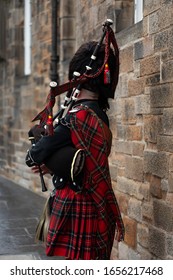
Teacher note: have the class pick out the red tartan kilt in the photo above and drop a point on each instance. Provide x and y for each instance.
(73, 229)
(82, 225)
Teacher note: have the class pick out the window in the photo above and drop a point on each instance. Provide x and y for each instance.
(138, 11)
(127, 13)
(27, 37)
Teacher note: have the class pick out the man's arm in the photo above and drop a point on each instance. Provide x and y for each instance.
(47, 145)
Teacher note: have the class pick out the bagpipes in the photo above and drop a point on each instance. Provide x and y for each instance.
(74, 86)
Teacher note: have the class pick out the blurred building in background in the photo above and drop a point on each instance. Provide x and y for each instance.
(141, 115)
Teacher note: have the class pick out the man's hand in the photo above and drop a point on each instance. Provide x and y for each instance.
(37, 132)
(45, 170)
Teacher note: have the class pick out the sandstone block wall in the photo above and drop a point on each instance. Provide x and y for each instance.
(142, 151)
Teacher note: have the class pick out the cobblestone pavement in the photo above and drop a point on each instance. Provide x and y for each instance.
(20, 210)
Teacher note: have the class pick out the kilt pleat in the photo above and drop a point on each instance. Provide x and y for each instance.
(73, 226)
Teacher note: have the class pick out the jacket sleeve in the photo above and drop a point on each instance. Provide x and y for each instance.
(47, 145)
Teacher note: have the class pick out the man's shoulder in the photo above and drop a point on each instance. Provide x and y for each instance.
(81, 114)
(80, 110)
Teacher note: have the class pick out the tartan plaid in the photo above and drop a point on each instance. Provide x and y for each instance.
(83, 224)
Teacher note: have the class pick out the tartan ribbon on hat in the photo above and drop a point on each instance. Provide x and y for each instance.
(46, 115)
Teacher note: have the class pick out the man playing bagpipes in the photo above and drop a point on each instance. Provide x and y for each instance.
(84, 214)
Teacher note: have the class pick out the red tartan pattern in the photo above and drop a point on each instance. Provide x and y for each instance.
(89, 135)
(83, 224)
(74, 219)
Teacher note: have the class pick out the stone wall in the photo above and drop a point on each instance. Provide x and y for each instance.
(141, 160)
(141, 119)
(23, 96)
(10, 95)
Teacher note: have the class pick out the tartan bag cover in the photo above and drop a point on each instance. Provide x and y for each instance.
(83, 224)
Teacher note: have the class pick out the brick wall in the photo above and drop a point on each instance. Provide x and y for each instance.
(141, 161)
